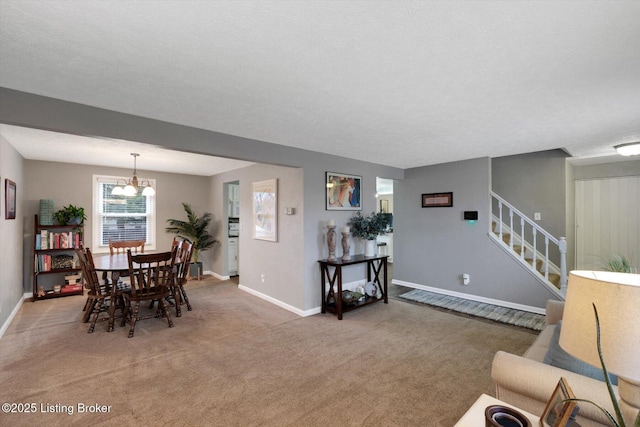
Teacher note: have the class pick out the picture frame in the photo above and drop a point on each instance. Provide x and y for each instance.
(559, 411)
(10, 195)
(265, 210)
(437, 200)
(343, 192)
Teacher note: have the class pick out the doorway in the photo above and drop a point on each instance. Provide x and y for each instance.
(384, 196)
(233, 226)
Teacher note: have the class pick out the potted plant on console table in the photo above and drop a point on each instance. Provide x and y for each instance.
(196, 230)
(369, 228)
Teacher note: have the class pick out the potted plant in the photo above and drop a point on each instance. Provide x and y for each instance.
(369, 228)
(196, 230)
(70, 215)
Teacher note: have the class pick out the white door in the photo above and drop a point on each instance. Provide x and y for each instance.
(607, 221)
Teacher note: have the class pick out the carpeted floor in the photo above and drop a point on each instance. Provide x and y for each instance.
(506, 315)
(236, 360)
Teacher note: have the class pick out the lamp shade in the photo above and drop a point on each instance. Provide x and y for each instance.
(616, 296)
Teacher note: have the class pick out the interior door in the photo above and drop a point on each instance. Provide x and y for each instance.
(607, 221)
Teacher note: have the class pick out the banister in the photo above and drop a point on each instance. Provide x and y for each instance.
(561, 242)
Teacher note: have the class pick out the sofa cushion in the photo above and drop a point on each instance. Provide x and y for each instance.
(540, 346)
(559, 358)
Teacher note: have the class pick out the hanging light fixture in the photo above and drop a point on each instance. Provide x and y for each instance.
(629, 149)
(131, 187)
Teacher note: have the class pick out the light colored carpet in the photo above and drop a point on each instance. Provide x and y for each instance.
(236, 360)
(510, 316)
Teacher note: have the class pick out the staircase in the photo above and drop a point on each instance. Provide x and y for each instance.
(531, 245)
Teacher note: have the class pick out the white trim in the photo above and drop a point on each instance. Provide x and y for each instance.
(501, 303)
(6, 324)
(302, 313)
(216, 275)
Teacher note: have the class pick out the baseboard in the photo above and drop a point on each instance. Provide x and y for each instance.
(15, 310)
(216, 275)
(302, 313)
(477, 298)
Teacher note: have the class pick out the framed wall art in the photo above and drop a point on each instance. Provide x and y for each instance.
(265, 210)
(343, 192)
(9, 199)
(437, 200)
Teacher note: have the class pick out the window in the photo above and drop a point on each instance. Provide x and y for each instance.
(121, 217)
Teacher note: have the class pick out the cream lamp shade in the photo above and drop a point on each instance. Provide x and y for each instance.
(616, 296)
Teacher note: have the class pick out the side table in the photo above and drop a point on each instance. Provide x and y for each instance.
(332, 300)
(475, 415)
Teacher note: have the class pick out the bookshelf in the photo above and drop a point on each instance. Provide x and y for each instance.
(56, 272)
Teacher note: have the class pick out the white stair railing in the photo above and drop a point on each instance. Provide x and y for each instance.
(498, 206)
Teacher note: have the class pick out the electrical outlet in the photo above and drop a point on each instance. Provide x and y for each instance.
(262, 278)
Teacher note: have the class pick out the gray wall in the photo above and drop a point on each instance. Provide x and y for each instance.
(434, 246)
(11, 233)
(280, 262)
(534, 182)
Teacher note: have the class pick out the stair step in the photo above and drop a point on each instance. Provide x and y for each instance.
(539, 263)
(555, 279)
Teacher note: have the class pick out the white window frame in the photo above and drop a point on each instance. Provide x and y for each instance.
(98, 180)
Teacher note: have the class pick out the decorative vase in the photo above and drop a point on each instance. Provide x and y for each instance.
(369, 248)
(331, 242)
(345, 246)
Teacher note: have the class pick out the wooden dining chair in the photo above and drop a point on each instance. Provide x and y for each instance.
(151, 277)
(99, 297)
(121, 246)
(184, 253)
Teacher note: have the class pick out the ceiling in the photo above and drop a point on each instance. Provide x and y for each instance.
(400, 83)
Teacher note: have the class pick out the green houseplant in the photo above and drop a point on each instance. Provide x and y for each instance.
(70, 215)
(368, 228)
(196, 230)
(618, 263)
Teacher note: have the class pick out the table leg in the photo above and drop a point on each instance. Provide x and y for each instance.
(338, 298)
(386, 293)
(324, 287)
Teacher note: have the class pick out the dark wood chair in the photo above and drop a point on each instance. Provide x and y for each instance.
(184, 253)
(100, 298)
(151, 277)
(121, 246)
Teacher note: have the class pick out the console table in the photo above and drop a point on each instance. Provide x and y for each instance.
(331, 272)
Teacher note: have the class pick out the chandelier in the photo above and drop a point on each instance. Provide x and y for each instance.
(130, 187)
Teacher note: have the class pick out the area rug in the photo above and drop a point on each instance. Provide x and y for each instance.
(510, 316)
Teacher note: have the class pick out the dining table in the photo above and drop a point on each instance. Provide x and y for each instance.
(117, 265)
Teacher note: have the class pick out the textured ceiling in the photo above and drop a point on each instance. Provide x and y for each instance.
(401, 83)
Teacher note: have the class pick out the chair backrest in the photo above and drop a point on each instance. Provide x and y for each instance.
(175, 243)
(183, 260)
(89, 272)
(120, 246)
(151, 274)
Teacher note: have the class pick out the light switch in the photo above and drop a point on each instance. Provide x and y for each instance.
(536, 216)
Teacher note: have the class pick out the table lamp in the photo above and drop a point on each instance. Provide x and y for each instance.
(616, 297)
